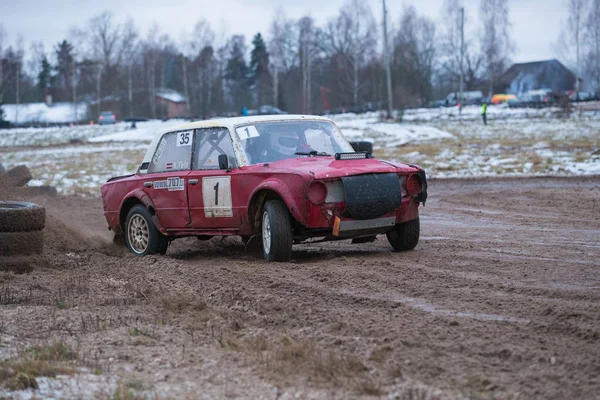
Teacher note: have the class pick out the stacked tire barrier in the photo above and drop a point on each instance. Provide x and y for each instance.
(21, 234)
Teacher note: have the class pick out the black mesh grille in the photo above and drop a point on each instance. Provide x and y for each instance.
(372, 195)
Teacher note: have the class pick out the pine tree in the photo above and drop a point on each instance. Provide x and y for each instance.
(44, 77)
(237, 73)
(64, 70)
(259, 70)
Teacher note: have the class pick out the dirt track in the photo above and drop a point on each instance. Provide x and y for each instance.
(501, 299)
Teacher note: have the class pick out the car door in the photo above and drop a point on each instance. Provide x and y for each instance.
(211, 190)
(166, 179)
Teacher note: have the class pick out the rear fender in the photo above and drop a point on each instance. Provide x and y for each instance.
(144, 199)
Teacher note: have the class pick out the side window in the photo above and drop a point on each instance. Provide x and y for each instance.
(173, 152)
(210, 144)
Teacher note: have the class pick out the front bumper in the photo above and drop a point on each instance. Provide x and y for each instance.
(352, 228)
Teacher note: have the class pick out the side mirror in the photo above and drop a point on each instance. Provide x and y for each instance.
(362, 145)
(223, 161)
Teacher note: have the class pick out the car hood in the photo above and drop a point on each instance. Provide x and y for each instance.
(329, 167)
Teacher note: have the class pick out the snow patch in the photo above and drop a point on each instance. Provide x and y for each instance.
(58, 113)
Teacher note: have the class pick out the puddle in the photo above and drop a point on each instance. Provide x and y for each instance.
(433, 309)
(517, 255)
(424, 306)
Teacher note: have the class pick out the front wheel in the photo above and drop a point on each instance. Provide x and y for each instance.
(141, 236)
(276, 232)
(405, 236)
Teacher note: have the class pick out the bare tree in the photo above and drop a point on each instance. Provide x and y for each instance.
(198, 56)
(129, 47)
(150, 56)
(414, 54)
(593, 34)
(307, 50)
(283, 49)
(577, 9)
(496, 44)
(2, 36)
(19, 67)
(352, 37)
(450, 46)
(571, 40)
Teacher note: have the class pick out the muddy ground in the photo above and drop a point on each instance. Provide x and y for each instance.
(501, 299)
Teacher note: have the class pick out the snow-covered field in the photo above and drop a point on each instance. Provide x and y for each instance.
(93, 133)
(515, 142)
(40, 112)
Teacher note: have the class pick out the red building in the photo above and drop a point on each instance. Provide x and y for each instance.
(171, 104)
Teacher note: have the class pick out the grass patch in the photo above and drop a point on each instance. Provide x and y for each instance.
(21, 372)
(127, 391)
(179, 303)
(54, 352)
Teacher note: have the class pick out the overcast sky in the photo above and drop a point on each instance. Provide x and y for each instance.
(535, 23)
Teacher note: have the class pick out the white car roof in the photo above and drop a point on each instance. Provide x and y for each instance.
(232, 122)
(229, 123)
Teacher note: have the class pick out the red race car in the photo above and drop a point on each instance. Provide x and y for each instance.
(283, 179)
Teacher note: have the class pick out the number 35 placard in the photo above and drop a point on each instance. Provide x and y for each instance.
(184, 138)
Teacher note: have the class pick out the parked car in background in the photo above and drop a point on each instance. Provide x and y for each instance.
(435, 104)
(270, 110)
(537, 99)
(107, 118)
(502, 98)
(468, 98)
(581, 96)
(522, 101)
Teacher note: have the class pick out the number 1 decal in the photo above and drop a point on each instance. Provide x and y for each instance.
(216, 194)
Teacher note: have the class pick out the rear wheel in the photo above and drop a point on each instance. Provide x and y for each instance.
(405, 236)
(276, 229)
(141, 236)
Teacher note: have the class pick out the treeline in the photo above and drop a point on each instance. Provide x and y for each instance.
(295, 64)
(579, 40)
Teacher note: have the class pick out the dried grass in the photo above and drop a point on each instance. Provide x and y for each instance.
(21, 372)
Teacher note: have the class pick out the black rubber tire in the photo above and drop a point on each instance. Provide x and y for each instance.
(157, 242)
(405, 236)
(21, 216)
(281, 232)
(21, 243)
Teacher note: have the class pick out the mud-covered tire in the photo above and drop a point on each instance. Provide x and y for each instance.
(21, 243)
(405, 236)
(157, 243)
(21, 216)
(276, 232)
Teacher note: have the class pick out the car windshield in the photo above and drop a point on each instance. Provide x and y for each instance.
(266, 142)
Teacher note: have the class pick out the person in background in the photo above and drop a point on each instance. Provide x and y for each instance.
(244, 112)
(484, 112)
